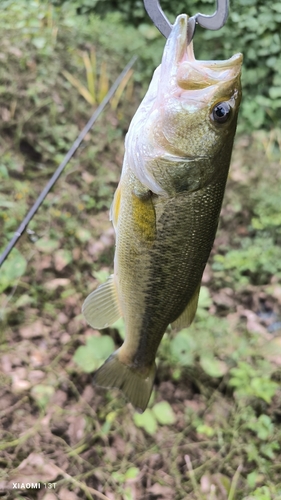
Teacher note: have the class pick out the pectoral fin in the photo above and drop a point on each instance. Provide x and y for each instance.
(186, 318)
(136, 385)
(101, 308)
(115, 207)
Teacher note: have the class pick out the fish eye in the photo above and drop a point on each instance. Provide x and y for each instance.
(221, 112)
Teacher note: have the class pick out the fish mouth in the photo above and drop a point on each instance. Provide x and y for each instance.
(192, 74)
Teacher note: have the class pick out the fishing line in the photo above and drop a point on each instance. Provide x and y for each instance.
(67, 158)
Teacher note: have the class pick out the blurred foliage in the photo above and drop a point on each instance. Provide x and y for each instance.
(253, 28)
(97, 86)
(91, 356)
(256, 257)
(13, 268)
(41, 114)
(255, 261)
(256, 26)
(160, 413)
(229, 365)
(249, 375)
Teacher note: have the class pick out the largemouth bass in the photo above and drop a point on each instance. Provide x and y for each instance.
(166, 208)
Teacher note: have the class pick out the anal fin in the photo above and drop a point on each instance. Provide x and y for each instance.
(187, 316)
(101, 308)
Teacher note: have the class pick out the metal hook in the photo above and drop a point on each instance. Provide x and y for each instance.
(213, 22)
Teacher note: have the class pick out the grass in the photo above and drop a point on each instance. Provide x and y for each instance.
(212, 430)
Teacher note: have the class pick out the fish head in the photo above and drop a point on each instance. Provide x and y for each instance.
(197, 101)
(181, 136)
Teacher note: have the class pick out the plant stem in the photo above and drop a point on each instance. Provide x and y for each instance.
(234, 483)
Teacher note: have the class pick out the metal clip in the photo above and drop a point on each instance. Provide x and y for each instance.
(213, 22)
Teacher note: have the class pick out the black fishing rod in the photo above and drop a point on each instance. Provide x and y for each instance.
(68, 156)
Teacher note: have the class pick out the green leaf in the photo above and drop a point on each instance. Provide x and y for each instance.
(205, 300)
(83, 235)
(62, 258)
(264, 427)
(13, 268)
(205, 429)
(42, 394)
(212, 366)
(91, 356)
(264, 388)
(39, 42)
(274, 92)
(164, 413)
(110, 418)
(84, 358)
(149, 31)
(101, 275)
(118, 477)
(147, 421)
(252, 478)
(102, 347)
(6, 203)
(46, 245)
(128, 495)
(276, 6)
(4, 172)
(262, 493)
(106, 427)
(131, 473)
(268, 449)
(24, 300)
(183, 347)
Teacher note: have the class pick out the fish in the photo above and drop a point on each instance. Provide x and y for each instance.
(166, 208)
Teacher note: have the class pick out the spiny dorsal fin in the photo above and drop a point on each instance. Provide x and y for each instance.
(186, 318)
(101, 308)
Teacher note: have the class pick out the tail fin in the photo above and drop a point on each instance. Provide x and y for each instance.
(135, 386)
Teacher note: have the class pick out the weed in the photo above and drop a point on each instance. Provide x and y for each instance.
(91, 356)
(159, 413)
(211, 430)
(251, 379)
(13, 268)
(97, 81)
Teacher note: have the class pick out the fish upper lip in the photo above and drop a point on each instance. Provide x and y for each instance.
(187, 49)
(183, 56)
(225, 63)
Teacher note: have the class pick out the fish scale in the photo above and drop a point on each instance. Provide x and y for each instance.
(191, 230)
(166, 208)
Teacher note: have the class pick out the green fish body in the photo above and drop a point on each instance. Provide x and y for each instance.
(166, 208)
